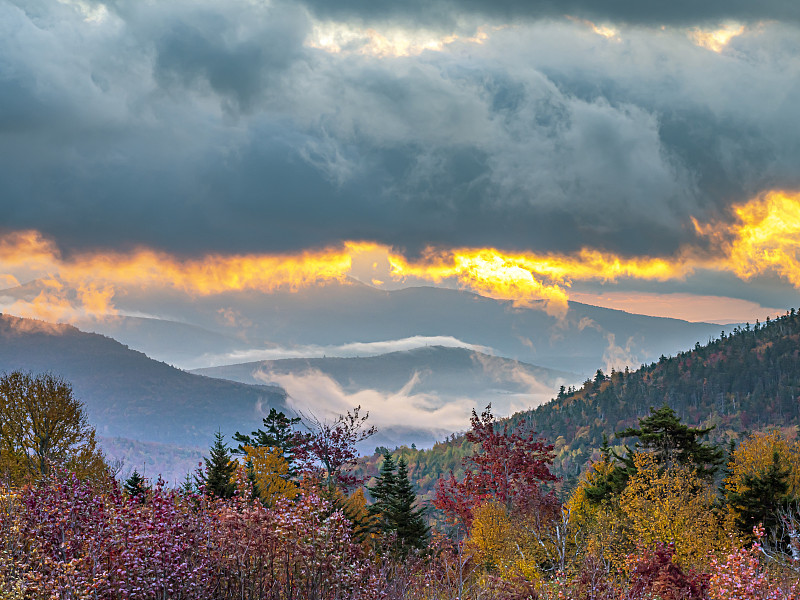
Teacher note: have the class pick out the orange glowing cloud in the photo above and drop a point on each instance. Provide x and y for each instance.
(764, 238)
(767, 237)
(525, 278)
(86, 283)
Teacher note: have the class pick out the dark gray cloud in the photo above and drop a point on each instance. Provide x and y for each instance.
(448, 12)
(212, 126)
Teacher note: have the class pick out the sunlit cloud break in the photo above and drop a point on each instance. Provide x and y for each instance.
(763, 237)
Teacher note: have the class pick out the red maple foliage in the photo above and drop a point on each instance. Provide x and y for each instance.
(655, 574)
(508, 467)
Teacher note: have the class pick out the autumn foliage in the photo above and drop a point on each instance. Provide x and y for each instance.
(508, 468)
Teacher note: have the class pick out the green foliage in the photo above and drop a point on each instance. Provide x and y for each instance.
(669, 441)
(279, 433)
(135, 485)
(219, 470)
(763, 496)
(394, 506)
(745, 381)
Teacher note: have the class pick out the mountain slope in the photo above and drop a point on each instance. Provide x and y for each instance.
(744, 381)
(125, 393)
(747, 380)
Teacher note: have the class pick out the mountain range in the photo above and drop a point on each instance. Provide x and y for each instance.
(354, 319)
(419, 359)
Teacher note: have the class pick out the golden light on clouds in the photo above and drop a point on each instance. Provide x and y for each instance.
(767, 237)
(342, 38)
(86, 283)
(525, 278)
(764, 238)
(716, 39)
(604, 30)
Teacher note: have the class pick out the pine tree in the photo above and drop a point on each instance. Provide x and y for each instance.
(136, 486)
(762, 497)
(412, 532)
(279, 433)
(671, 442)
(663, 434)
(219, 470)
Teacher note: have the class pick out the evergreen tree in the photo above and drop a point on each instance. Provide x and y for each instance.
(219, 471)
(762, 497)
(394, 506)
(412, 532)
(136, 485)
(384, 492)
(279, 433)
(663, 435)
(188, 485)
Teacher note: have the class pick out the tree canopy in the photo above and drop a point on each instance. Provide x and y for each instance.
(42, 425)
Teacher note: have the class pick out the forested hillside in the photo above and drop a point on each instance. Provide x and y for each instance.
(745, 380)
(127, 394)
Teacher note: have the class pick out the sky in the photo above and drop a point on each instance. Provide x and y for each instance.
(636, 155)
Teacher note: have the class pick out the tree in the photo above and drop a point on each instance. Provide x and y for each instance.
(279, 433)
(268, 471)
(384, 492)
(43, 425)
(219, 470)
(412, 532)
(136, 485)
(508, 467)
(673, 505)
(761, 497)
(394, 506)
(669, 441)
(672, 442)
(331, 445)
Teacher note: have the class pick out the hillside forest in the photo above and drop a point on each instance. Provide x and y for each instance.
(679, 480)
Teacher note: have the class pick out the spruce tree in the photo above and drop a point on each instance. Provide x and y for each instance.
(394, 506)
(135, 486)
(762, 497)
(412, 532)
(219, 471)
(384, 492)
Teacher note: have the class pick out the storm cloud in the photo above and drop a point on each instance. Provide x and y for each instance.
(224, 127)
(447, 12)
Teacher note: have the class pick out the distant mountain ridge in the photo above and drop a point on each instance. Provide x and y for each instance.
(125, 393)
(455, 370)
(199, 331)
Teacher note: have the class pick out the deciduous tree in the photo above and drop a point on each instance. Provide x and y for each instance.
(508, 467)
(43, 425)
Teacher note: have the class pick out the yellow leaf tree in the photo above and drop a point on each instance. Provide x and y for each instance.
(43, 425)
(270, 473)
(754, 456)
(673, 505)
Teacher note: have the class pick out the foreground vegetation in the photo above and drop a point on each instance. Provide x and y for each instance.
(289, 513)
